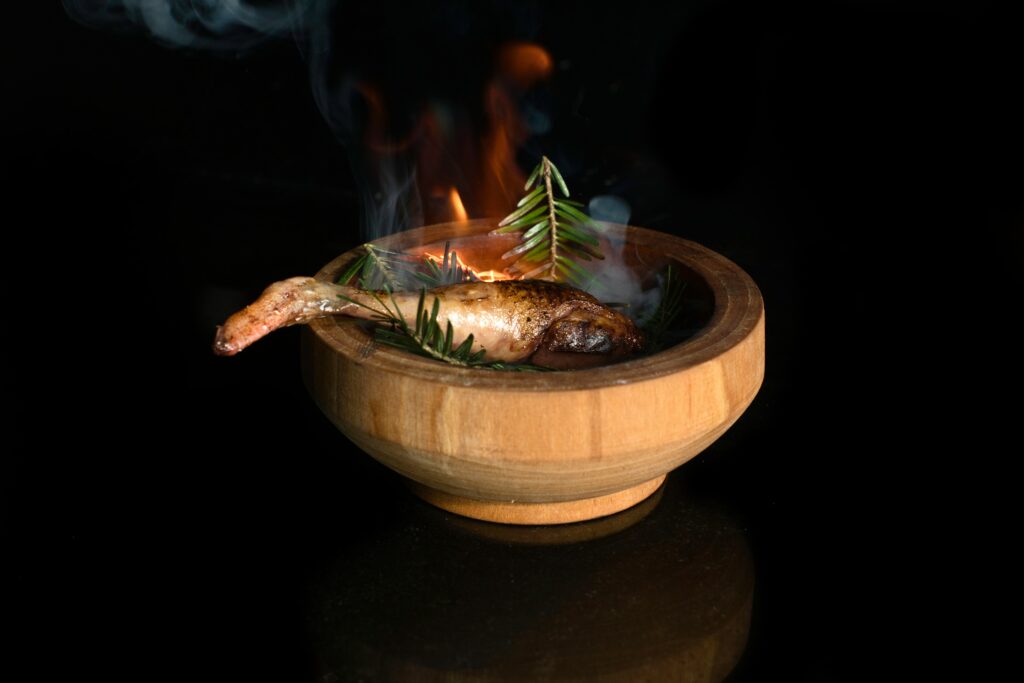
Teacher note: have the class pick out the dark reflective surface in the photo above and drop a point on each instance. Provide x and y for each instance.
(168, 514)
(659, 592)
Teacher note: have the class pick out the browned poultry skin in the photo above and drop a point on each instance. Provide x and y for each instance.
(510, 320)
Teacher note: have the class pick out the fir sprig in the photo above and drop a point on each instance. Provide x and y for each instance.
(425, 337)
(657, 325)
(397, 271)
(555, 232)
(379, 268)
(450, 271)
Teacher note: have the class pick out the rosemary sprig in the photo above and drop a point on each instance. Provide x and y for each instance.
(425, 337)
(664, 316)
(555, 232)
(397, 271)
(379, 268)
(450, 271)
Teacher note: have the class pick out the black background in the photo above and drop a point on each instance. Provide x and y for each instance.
(166, 508)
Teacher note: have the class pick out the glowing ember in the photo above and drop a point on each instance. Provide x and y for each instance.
(458, 210)
(483, 275)
(492, 275)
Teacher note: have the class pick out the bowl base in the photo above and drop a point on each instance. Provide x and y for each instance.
(562, 512)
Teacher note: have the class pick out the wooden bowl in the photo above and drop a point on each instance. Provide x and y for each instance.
(546, 448)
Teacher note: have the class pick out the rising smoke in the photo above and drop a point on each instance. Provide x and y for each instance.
(392, 196)
(391, 201)
(221, 25)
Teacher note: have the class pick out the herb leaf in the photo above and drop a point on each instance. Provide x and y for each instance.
(425, 337)
(550, 247)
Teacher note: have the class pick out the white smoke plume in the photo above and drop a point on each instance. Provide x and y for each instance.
(391, 200)
(223, 25)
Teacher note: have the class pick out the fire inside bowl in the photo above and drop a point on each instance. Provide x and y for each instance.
(556, 447)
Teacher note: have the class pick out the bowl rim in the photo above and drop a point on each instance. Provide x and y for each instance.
(738, 308)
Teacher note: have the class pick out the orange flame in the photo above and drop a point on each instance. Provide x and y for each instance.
(491, 275)
(376, 136)
(458, 210)
(449, 145)
(483, 275)
(524, 63)
(502, 179)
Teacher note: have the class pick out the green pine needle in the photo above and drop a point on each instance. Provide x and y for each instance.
(554, 232)
(426, 337)
(657, 325)
(378, 269)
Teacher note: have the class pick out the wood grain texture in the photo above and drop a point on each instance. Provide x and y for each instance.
(554, 437)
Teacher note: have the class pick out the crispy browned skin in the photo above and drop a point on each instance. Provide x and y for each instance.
(510, 320)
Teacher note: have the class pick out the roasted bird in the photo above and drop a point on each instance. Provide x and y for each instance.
(510, 320)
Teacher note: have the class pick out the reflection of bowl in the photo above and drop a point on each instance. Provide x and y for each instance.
(543, 448)
(430, 598)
